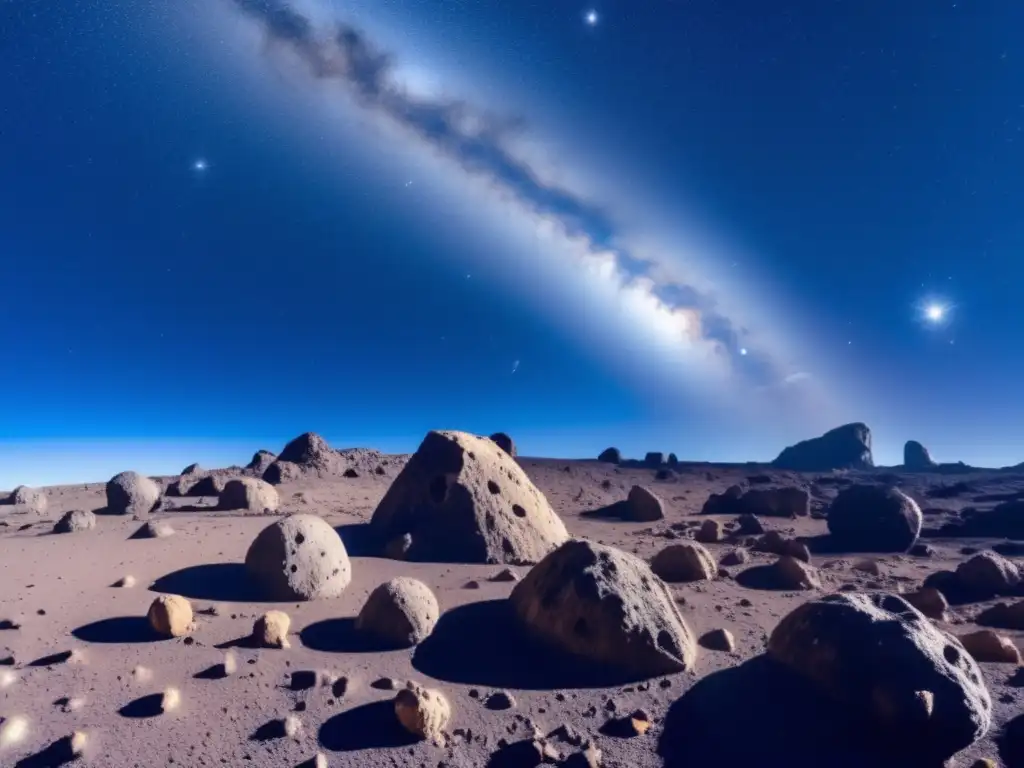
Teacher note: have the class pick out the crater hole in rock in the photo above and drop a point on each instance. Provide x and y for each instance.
(493, 487)
(518, 511)
(299, 538)
(438, 489)
(667, 643)
(294, 568)
(952, 654)
(580, 627)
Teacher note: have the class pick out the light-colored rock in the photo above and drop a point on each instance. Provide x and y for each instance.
(987, 573)
(423, 712)
(292, 726)
(75, 521)
(684, 562)
(643, 505)
(881, 658)
(249, 494)
(401, 612)
(790, 573)
(299, 557)
(463, 499)
(230, 663)
(32, 499)
(170, 700)
(125, 582)
(929, 601)
(13, 731)
(153, 529)
(719, 640)
(130, 493)
(605, 605)
(986, 645)
(171, 616)
(271, 630)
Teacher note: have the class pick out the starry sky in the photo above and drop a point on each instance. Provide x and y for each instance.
(713, 227)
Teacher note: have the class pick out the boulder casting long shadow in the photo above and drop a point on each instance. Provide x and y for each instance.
(484, 643)
(227, 582)
(369, 726)
(120, 629)
(783, 720)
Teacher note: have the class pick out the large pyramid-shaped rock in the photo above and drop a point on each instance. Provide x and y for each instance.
(606, 605)
(845, 447)
(461, 498)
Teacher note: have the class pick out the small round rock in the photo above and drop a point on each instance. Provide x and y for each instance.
(171, 616)
(401, 612)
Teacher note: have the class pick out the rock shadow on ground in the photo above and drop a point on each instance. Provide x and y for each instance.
(224, 582)
(782, 718)
(341, 636)
(617, 511)
(56, 754)
(120, 629)
(359, 540)
(368, 726)
(483, 643)
(144, 707)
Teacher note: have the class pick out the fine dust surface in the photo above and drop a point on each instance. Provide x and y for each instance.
(58, 590)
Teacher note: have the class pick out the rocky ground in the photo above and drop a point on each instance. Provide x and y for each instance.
(78, 655)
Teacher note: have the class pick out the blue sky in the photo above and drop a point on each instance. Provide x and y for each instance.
(706, 228)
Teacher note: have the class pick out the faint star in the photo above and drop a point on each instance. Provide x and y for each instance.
(591, 18)
(743, 350)
(199, 165)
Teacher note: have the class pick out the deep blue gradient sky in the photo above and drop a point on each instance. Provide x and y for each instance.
(392, 221)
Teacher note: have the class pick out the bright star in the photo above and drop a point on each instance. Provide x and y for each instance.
(934, 312)
(591, 18)
(199, 165)
(743, 350)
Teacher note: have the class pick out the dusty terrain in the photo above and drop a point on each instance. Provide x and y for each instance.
(57, 590)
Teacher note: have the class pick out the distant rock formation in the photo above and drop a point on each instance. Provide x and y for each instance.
(916, 456)
(261, 460)
(654, 459)
(610, 455)
(461, 498)
(310, 455)
(32, 499)
(845, 447)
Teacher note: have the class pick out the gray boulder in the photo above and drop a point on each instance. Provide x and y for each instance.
(606, 605)
(874, 518)
(299, 557)
(75, 521)
(130, 493)
(884, 661)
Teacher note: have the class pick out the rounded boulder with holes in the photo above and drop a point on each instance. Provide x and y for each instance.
(400, 613)
(874, 518)
(881, 658)
(606, 605)
(249, 494)
(461, 498)
(130, 493)
(33, 499)
(299, 557)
